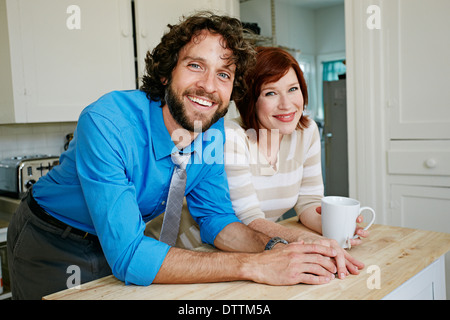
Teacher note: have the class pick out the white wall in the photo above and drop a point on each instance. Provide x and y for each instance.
(257, 11)
(29, 139)
(313, 31)
(330, 30)
(296, 28)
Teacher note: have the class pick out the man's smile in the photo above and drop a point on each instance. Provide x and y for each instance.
(201, 101)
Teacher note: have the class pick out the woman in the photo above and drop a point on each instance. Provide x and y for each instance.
(272, 153)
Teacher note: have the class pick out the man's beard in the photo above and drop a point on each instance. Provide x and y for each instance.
(178, 111)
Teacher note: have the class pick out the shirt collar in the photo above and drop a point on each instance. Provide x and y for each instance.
(196, 148)
(162, 142)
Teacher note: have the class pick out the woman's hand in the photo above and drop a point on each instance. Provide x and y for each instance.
(345, 263)
(360, 232)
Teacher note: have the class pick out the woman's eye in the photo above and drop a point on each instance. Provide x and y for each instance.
(293, 89)
(270, 93)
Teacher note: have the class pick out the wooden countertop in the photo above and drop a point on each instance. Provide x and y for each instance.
(400, 253)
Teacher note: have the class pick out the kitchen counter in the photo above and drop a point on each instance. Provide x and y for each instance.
(400, 263)
(7, 208)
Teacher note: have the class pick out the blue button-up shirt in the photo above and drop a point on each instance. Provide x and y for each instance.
(115, 177)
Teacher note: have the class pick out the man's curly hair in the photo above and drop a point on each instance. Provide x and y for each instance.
(164, 57)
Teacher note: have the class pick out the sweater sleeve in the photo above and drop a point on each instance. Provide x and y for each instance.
(237, 166)
(311, 188)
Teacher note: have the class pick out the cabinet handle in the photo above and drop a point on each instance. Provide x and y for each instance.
(125, 17)
(430, 163)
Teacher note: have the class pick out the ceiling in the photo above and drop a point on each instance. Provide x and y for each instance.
(313, 4)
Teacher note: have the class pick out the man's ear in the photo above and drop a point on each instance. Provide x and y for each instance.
(164, 81)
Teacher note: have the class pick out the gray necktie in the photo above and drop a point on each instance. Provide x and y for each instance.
(171, 223)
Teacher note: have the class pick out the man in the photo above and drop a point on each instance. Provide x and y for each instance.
(89, 213)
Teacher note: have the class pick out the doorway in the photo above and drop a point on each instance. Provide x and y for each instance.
(332, 121)
(334, 138)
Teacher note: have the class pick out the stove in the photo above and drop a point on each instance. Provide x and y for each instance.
(18, 174)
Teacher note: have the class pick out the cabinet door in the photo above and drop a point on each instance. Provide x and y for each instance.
(426, 285)
(152, 18)
(418, 48)
(72, 52)
(420, 207)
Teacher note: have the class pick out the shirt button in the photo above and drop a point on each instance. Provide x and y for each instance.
(163, 203)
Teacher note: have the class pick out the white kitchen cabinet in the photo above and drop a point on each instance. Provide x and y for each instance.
(58, 56)
(418, 68)
(418, 150)
(398, 115)
(152, 18)
(397, 106)
(418, 155)
(420, 158)
(420, 207)
(428, 284)
(416, 205)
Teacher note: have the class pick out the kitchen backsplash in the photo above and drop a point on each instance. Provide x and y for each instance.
(39, 138)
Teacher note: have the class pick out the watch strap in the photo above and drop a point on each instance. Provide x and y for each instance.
(272, 242)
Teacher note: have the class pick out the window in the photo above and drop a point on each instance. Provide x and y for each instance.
(333, 69)
(307, 64)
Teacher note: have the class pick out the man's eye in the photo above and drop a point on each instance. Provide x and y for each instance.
(224, 75)
(194, 65)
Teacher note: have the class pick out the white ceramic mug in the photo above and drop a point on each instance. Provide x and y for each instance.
(339, 218)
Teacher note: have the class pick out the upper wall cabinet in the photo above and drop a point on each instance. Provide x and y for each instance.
(58, 56)
(418, 45)
(152, 18)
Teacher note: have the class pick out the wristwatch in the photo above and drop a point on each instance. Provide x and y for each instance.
(272, 242)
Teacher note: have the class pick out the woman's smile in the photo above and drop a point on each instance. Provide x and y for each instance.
(288, 117)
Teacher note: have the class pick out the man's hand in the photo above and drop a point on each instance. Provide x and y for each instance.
(292, 264)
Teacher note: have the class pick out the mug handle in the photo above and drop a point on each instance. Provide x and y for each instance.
(371, 222)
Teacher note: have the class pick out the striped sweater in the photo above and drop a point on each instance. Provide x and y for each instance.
(259, 190)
